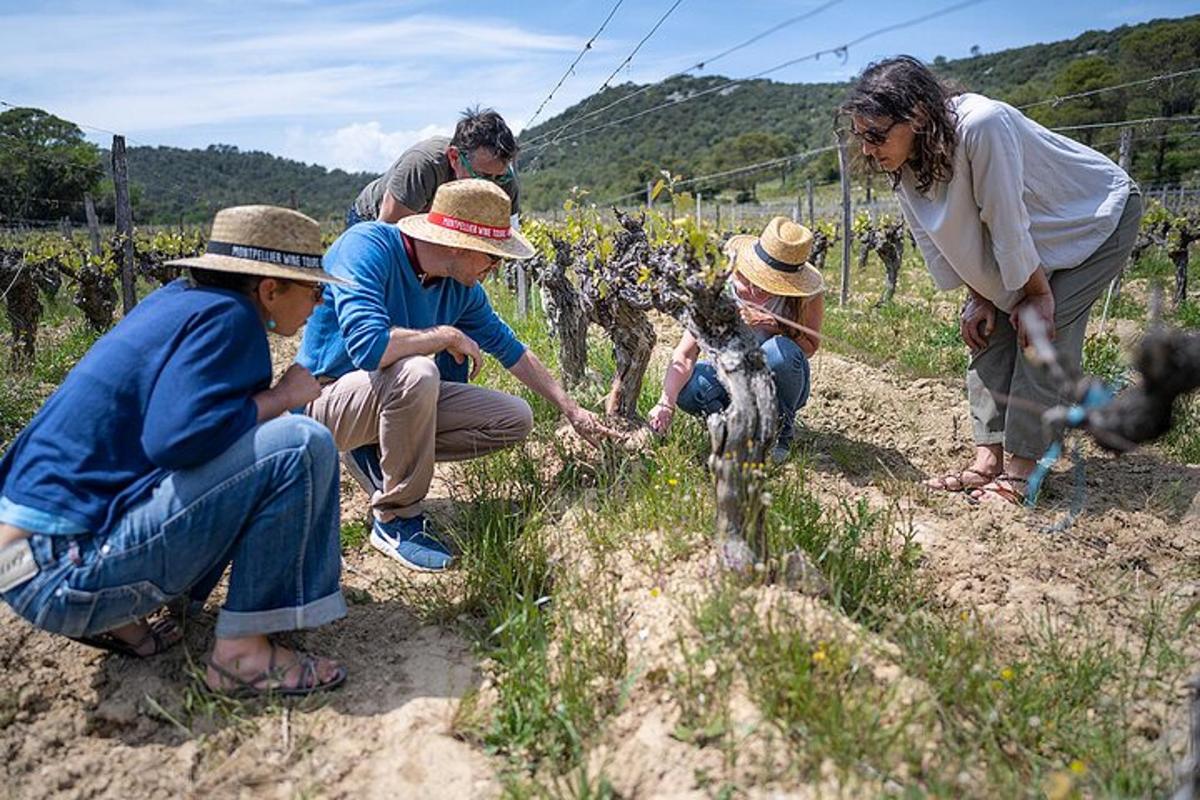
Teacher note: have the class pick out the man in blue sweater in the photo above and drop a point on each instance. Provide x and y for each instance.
(416, 293)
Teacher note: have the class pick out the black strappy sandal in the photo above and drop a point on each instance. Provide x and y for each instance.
(163, 632)
(247, 688)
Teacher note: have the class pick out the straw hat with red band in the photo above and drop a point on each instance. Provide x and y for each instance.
(264, 240)
(777, 261)
(473, 214)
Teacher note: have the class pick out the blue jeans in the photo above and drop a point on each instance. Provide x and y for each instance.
(704, 393)
(268, 505)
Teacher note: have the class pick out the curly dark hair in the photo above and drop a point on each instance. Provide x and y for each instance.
(900, 89)
(483, 127)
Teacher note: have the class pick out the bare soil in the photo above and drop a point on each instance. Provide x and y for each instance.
(78, 723)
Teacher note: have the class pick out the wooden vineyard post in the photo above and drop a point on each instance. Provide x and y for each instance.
(124, 214)
(1124, 161)
(522, 291)
(717, 226)
(868, 190)
(699, 211)
(649, 194)
(811, 216)
(93, 224)
(796, 210)
(847, 225)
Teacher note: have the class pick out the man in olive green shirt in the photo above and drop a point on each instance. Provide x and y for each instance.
(482, 147)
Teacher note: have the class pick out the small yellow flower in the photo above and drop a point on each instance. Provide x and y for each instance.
(964, 616)
(1006, 674)
(655, 591)
(1078, 767)
(671, 481)
(818, 656)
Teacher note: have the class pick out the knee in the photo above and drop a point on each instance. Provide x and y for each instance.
(519, 419)
(526, 420)
(298, 432)
(782, 352)
(413, 379)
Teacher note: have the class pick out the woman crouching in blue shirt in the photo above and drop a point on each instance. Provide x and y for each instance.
(167, 455)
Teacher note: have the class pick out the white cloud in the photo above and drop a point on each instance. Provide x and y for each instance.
(150, 70)
(358, 147)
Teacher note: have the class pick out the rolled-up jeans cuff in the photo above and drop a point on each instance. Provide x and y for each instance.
(235, 624)
(989, 437)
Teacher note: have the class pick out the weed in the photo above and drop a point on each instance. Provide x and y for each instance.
(1105, 358)
(1182, 442)
(354, 535)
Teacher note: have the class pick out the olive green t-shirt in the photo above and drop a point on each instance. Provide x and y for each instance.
(414, 178)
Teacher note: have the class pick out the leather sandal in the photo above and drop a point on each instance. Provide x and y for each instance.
(980, 480)
(163, 632)
(273, 676)
(1011, 491)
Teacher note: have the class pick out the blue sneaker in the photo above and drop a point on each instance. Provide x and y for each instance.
(410, 542)
(363, 465)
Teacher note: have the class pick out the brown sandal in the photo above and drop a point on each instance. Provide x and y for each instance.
(1008, 493)
(982, 479)
(163, 632)
(273, 676)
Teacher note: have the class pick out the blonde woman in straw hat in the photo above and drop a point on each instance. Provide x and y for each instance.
(417, 294)
(774, 285)
(167, 455)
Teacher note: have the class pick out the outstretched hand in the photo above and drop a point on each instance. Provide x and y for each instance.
(759, 320)
(590, 428)
(660, 418)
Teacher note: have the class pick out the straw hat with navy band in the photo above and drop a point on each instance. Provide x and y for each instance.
(473, 214)
(268, 241)
(777, 261)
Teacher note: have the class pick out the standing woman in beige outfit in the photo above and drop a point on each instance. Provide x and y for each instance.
(1028, 220)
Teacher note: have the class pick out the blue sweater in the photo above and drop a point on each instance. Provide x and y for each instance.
(352, 332)
(170, 387)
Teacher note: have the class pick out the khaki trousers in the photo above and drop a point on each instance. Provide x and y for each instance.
(417, 419)
(999, 371)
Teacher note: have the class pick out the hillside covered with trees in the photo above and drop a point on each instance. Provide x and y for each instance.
(712, 124)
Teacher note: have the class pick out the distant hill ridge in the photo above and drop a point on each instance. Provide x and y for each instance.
(750, 122)
(689, 138)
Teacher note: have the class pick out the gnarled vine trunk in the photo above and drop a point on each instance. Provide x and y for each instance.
(740, 436)
(889, 246)
(564, 309)
(617, 299)
(1169, 363)
(96, 296)
(23, 306)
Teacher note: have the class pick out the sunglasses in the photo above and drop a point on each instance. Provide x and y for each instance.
(874, 136)
(317, 290)
(502, 179)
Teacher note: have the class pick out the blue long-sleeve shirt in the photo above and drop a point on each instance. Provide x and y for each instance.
(352, 331)
(170, 387)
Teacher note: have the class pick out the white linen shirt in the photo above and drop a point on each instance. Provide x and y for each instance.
(1021, 196)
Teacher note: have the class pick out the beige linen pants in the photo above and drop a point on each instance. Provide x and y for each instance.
(417, 419)
(999, 371)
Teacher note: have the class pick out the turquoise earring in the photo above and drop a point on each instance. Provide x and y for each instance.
(270, 324)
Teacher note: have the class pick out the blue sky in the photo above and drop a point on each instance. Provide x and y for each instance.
(351, 84)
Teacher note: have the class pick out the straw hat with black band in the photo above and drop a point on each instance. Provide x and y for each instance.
(473, 214)
(268, 241)
(777, 261)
